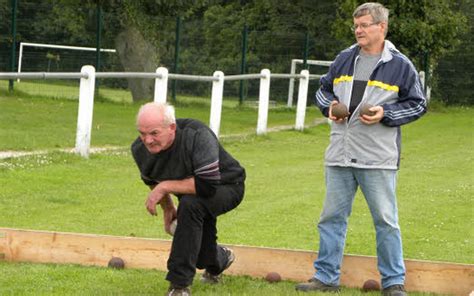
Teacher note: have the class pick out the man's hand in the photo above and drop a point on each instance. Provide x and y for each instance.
(162, 191)
(334, 118)
(374, 118)
(154, 198)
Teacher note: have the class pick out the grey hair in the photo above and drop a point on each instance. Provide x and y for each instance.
(378, 12)
(159, 108)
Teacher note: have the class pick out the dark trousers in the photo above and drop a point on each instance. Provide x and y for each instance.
(195, 239)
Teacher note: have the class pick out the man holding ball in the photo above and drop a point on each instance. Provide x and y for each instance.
(364, 149)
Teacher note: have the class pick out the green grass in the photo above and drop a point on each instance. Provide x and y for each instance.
(66, 89)
(285, 190)
(30, 123)
(51, 279)
(284, 196)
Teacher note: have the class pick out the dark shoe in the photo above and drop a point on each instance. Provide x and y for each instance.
(395, 290)
(178, 291)
(208, 278)
(316, 285)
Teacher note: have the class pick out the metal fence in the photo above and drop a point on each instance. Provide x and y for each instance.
(182, 46)
(179, 44)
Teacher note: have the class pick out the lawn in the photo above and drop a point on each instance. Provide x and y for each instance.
(51, 279)
(62, 192)
(30, 123)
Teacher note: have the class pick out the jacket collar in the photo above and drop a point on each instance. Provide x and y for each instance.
(387, 52)
(388, 49)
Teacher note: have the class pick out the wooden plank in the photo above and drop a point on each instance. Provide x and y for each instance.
(85, 249)
(89, 249)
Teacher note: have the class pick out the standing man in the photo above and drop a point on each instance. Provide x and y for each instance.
(183, 157)
(365, 150)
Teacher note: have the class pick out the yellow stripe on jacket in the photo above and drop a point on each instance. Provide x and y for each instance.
(382, 85)
(343, 78)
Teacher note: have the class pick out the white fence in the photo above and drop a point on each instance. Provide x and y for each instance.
(291, 86)
(88, 75)
(55, 46)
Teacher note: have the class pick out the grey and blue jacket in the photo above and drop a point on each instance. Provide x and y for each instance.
(395, 85)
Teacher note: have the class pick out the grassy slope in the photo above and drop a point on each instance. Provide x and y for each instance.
(284, 196)
(32, 124)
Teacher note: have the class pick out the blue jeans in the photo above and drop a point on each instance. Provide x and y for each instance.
(378, 187)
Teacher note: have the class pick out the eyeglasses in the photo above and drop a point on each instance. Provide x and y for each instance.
(363, 26)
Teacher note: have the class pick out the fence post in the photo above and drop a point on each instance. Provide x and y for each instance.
(216, 102)
(291, 85)
(243, 65)
(98, 38)
(13, 48)
(263, 98)
(422, 78)
(306, 49)
(302, 98)
(161, 85)
(176, 57)
(86, 106)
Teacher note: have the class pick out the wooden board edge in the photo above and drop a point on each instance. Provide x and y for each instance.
(19, 245)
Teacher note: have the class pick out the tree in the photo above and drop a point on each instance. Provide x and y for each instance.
(455, 71)
(276, 34)
(138, 29)
(135, 19)
(416, 27)
(143, 32)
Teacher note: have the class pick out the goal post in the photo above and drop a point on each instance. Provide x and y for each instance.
(56, 46)
(294, 62)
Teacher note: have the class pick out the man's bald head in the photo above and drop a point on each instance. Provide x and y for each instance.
(157, 110)
(157, 126)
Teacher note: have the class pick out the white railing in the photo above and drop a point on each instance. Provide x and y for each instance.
(88, 75)
(56, 46)
(291, 85)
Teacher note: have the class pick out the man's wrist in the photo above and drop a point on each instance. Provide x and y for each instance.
(167, 202)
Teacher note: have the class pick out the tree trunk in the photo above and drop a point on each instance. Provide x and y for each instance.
(137, 55)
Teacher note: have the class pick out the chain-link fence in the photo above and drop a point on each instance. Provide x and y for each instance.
(189, 45)
(182, 45)
(454, 76)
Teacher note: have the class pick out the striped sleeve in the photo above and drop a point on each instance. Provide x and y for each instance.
(411, 104)
(206, 162)
(325, 94)
(209, 171)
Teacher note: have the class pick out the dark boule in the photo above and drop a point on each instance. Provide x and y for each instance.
(364, 110)
(116, 262)
(371, 285)
(273, 277)
(340, 111)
